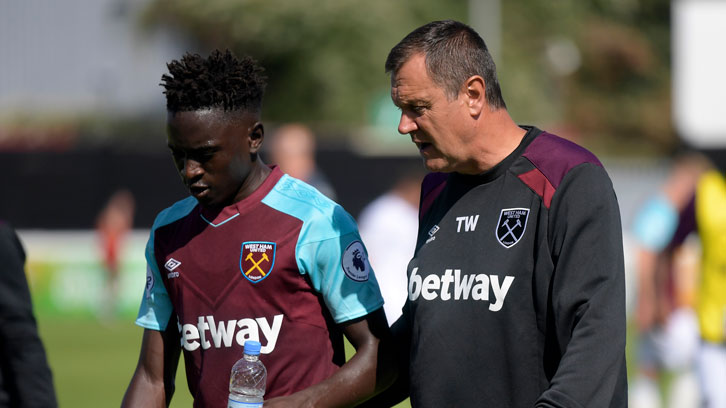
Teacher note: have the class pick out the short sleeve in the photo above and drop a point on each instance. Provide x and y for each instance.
(329, 250)
(655, 223)
(339, 269)
(156, 307)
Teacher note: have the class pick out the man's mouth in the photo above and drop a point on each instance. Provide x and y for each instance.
(422, 146)
(198, 191)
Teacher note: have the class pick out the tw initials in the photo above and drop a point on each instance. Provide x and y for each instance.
(469, 223)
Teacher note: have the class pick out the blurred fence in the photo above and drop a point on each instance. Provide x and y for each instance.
(48, 190)
(54, 199)
(67, 277)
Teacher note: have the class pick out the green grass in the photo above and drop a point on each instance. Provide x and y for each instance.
(92, 363)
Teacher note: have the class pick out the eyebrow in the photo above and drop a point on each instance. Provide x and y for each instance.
(416, 102)
(196, 150)
(403, 99)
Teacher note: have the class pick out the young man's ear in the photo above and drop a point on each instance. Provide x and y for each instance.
(255, 137)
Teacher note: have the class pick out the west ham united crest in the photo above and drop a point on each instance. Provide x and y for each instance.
(257, 260)
(511, 225)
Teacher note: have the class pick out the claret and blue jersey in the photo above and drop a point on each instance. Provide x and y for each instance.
(283, 266)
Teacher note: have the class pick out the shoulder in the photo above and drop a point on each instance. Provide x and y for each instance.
(175, 212)
(655, 222)
(304, 202)
(711, 180)
(709, 196)
(553, 158)
(656, 210)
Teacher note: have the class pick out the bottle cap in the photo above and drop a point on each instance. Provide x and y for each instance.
(252, 347)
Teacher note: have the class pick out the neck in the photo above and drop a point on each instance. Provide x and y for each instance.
(258, 174)
(497, 137)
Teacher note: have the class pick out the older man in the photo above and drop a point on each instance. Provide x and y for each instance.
(516, 288)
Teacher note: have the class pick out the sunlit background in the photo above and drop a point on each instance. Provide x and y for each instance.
(82, 116)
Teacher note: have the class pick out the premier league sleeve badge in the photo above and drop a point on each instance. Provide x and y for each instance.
(355, 262)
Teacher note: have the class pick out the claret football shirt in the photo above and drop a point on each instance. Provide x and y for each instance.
(283, 266)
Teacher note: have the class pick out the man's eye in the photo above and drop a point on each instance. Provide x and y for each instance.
(202, 157)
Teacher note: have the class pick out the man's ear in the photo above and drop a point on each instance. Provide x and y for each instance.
(474, 91)
(255, 137)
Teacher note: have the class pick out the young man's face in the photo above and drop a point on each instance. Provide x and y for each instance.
(211, 150)
(436, 124)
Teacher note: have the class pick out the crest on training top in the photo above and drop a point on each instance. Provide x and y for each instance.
(511, 226)
(257, 260)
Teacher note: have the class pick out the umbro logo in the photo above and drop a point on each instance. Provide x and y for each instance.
(171, 264)
(432, 231)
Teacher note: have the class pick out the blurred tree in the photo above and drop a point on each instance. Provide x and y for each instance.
(324, 58)
(597, 70)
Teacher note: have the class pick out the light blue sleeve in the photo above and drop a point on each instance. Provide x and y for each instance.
(329, 250)
(156, 307)
(655, 223)
(339, 269)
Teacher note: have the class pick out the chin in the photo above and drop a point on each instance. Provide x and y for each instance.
(205, 201)
(437, 166)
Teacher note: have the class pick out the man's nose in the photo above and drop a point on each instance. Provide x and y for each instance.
(406, 125)
(191, 169)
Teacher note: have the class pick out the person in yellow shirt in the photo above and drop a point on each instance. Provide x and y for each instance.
(705, 215)
(664, 317)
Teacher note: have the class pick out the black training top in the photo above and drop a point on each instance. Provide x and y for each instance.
(25, 378)
(516, 291)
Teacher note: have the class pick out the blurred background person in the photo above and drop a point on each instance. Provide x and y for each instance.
(666, 290)
(112, 226)
(293, 150)
(707, 217)
(25, 378)
(388, 226)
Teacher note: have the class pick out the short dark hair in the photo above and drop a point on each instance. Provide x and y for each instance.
(454, 52)
(218, 81)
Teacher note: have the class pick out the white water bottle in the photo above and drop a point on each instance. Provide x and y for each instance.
(248, 379)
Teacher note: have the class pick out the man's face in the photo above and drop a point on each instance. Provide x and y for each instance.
(211, 151)
(437, 125)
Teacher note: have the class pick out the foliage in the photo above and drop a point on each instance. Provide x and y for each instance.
(597, 70)
(324, 58)
(618, 98)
